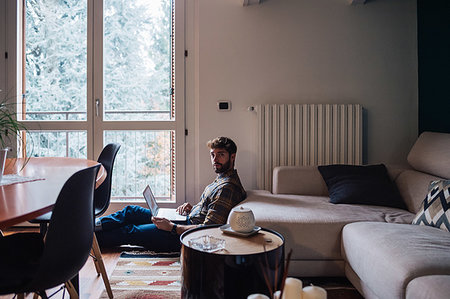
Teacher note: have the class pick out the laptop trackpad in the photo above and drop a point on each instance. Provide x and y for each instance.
(170, 214)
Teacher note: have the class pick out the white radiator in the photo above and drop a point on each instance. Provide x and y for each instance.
(307, 134)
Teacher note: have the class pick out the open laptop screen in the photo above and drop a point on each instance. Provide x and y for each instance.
(150, 199)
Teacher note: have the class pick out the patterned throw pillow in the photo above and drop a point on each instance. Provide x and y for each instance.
(435, 209)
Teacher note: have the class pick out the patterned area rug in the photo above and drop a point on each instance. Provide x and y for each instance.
(146, 276)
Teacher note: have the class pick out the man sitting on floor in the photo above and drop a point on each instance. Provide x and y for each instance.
(135, 225)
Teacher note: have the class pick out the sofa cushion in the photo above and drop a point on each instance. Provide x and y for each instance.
(301, 180)
(413, 187)
(431, 154)
(387, 256)
(367, 185)
(435, 210)
(311, 225)
(429, 287)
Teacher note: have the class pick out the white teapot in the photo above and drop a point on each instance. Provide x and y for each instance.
(242, 220)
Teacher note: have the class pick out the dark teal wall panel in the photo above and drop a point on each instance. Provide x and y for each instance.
(433, 33)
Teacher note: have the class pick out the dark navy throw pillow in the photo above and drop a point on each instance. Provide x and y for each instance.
(366, 185)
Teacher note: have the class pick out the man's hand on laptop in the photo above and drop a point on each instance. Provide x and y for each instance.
(184, 209)
(166, 224)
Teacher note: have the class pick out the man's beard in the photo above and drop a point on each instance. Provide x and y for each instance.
(223, 167)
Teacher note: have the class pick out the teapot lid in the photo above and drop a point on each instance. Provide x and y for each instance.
(241, 209)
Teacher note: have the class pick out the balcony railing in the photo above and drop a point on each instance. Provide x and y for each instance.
(66, 114)
(135, 165)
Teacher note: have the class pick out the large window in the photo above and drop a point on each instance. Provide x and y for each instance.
(96, 72)
(55, 60)
(137, 60)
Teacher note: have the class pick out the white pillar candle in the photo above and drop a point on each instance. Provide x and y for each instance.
(313, 292)
(257, 296)
(292, 288)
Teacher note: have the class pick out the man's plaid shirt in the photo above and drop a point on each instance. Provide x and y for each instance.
(218, 199)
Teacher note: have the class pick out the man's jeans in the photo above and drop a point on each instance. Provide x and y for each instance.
(133, 226)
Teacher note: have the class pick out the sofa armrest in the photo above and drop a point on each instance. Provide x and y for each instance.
(302, 180)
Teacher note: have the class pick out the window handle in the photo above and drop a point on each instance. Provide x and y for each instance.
(97, 106)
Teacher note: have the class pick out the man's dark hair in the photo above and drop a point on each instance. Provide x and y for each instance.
(223, 142)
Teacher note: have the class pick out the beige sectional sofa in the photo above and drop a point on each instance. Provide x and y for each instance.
(376, 248)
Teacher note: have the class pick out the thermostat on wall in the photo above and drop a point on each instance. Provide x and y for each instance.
(224, 105)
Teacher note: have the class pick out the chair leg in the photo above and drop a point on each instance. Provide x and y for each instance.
(20, 296)
(41, 294)
(99, 265)
(71, 289)
(43, 228)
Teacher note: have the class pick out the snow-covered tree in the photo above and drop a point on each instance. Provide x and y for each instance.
(136, 76)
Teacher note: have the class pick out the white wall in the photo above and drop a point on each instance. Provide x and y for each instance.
(298, 51)
(294, 51)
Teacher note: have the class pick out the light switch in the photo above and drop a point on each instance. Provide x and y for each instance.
(224, 105)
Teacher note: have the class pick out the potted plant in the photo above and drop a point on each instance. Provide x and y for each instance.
(10, 130)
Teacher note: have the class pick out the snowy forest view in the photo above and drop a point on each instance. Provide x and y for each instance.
(137, 81)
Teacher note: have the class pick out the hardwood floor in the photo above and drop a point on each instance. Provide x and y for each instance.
(91, 285)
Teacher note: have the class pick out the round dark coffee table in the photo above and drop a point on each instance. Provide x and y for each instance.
(246, 266)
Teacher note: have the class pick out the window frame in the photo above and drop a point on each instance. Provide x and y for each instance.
(96, 127)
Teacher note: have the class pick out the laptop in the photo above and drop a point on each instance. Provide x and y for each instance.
(170, 214)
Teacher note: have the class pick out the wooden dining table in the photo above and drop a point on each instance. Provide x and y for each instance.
(20, 202)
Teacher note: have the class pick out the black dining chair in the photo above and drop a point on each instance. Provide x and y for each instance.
(31, 263)
(102, 197)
